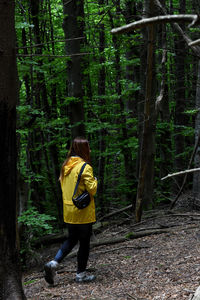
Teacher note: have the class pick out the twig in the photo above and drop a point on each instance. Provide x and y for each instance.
(189, 166)
(51, 42)
(132, 296)
(115, 212)
(47, 55)
(66, 3)
(125, 247)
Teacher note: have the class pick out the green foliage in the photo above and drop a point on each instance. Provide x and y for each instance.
(33, 225)
(36, 224)
(114, 118)
(191, 112)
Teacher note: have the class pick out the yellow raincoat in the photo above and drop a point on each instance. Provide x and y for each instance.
(71, 213)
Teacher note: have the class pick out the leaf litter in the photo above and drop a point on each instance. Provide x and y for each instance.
(156, 267)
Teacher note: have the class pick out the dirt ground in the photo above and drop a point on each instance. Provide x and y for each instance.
(159, 266)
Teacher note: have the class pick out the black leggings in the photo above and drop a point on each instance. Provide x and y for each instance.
(77, 233)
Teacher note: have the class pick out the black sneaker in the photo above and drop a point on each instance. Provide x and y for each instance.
(49, 270)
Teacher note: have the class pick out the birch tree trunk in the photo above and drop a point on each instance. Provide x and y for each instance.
(10, 276)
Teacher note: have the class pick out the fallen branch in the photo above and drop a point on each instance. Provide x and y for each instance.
(115, 212)
(181, 173)
(61, 237)
(184, 215)
(50, 239)
(128, 237)
(171, 214)
(120, 248)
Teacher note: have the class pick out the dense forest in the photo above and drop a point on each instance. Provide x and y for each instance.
(133, 91)
(77, 78)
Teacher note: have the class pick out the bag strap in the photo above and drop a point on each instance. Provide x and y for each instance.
(79, 178)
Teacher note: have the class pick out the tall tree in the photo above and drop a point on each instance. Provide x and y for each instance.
(163, 141)
(128, 163)
(50, 154)
(180, 119)
(102, 103)
(146, 172)
(10, 277)
(196, 178)
(73, 26)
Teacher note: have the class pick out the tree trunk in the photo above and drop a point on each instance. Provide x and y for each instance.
(179, 118)
(163, 141)
(23, 187)
(128, 163)
(196, 177)
(39, 101)
(10, 276)
(73, 26)
(146, 172)
(102, 103)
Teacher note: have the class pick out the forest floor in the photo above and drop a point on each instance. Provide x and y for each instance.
(157, 266)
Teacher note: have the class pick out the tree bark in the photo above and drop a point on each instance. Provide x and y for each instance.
(196, 177)
(146, 172)
(39, 100)
(10, 276)
(73, 26)
(122, 117)
(163, 141)
(180, 119)
(102, 103)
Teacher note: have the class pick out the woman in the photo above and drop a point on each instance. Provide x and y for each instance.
(79, 220)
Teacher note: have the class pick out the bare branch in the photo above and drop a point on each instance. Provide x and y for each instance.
(51, 42)
(194, 43)
(115, 212)
(155, 20)
(191, 18)
(188, 168)
(178, 29)
(54, 56)
(181, 173)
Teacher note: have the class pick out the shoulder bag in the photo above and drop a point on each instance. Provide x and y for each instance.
(82, 200)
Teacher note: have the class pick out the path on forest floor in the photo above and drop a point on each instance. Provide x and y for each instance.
(163, 266)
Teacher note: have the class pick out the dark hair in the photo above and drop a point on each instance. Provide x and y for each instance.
(79, 147)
